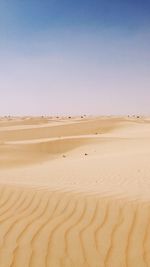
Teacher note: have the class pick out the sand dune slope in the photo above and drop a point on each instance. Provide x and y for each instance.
(51, 228)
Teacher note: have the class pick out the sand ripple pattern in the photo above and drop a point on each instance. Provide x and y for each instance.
(40, 228)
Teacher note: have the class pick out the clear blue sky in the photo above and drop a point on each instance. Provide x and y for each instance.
(74, 57)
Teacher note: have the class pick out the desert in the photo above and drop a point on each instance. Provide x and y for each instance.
(75, 191)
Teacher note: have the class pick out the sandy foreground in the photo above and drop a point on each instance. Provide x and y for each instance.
(75, 192)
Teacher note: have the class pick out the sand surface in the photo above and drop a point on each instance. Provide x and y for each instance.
(75, 192)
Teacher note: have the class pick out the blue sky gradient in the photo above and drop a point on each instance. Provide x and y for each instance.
(73, 57)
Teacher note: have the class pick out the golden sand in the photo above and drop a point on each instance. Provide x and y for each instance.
(75, 192)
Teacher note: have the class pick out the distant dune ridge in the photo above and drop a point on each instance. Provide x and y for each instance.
(75, 192)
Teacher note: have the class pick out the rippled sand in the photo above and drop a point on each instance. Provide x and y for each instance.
(75, 192)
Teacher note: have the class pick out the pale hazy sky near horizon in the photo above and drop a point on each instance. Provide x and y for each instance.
(74, 57)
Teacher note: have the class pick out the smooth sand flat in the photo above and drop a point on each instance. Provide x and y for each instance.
(75, 192)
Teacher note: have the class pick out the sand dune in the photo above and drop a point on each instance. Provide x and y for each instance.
(51, 228)
(20, 153)
(90, 126)
(74, 192)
